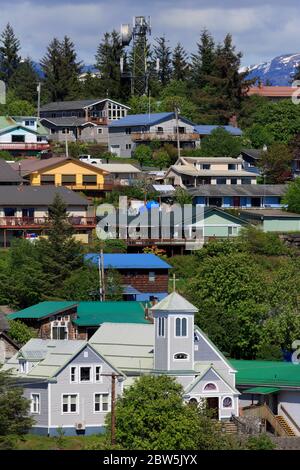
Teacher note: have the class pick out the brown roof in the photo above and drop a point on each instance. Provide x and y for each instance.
(25, 167)
(272, 91)
(269, 213)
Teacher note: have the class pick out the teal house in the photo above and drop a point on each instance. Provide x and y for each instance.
(272, 220)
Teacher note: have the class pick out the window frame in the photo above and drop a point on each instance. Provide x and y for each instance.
(38, 403)
(180, 328)
(91, 374)
(75, 375)
(187, 358)
(161, 327)
(227, 407)
(101, 402)
(69, 412)
(100, 374)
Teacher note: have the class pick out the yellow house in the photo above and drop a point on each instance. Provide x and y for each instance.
(69, 172)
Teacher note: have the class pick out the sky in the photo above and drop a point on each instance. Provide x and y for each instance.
(261, 30)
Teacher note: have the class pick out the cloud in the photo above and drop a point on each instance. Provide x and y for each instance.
(260, 30)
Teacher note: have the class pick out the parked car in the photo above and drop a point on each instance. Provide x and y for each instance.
(90, 159)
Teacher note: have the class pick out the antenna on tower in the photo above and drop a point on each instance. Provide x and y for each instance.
(138, 33)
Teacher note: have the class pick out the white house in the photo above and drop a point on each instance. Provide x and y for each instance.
(21, 135)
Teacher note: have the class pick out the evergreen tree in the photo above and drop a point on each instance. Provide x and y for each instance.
(61, 70)
(9, 53)
(108, 57)
(60, 254)
(180, 63)
(24, 81)
(203, 61)
(162, 54)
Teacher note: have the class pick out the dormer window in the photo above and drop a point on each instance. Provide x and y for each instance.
(209, 387)
(181, 327)
(180, 356)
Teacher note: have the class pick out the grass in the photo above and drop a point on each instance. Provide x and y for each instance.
(35, 442)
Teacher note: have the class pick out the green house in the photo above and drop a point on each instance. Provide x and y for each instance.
(272, 220)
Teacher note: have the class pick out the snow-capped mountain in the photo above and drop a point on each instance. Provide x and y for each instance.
(278, 71)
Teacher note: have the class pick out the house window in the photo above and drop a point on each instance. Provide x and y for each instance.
(9, 211)
(221, 180)
(227, 402)
(233, 181)
(181, 327)
(35, 403)
(23, 366)
(128, 146)
(209, 387)
(74, 374)
(100, 130)
(15, 138)
(48, 179)
(232, 166)
(68, 179)
(98, 377)
(40, 139)
(70, 403)
(232, 231)
(29, 123)
(65, 130)
(205, 166)
(128, 130)
(180, 356)
(161, 326)
(160, 130)
(89, 179)
(52, 131)
(59, 332)
(101, 402)
(151, 276)
(85, 374)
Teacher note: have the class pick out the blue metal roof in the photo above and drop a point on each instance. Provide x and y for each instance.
(141, 119)
(129, 261)
(207, 130)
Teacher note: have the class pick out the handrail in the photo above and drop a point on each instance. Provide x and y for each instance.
(290, 417)
(264, 412)
(240, 425)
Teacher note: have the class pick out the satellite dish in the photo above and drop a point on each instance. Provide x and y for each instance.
(126, 34)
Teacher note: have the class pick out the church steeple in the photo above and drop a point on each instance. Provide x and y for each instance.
(174, 333)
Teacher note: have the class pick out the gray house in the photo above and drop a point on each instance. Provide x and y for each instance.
(84, 120)
(69, 382)
(135, 129)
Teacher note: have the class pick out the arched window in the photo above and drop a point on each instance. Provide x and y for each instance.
(181, 327)
(193, 401)
(180, 356)
(227, 402)
(210, 387)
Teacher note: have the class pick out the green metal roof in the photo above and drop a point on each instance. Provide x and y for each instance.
(41, 310)
(96, 313)
(267, 373)
(89, 313)
(261, 390)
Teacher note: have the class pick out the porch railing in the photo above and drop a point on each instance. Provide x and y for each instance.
(6, 222)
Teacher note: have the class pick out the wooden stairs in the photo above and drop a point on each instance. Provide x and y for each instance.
(285, 425)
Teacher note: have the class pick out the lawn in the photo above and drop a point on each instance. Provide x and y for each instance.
(34, 442)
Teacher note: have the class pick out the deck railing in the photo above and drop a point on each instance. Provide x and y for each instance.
(15, 222)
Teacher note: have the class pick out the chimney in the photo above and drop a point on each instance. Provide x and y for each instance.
(233, 121)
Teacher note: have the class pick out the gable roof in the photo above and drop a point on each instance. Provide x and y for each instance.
(32, 165)
(89, 313)
(207, 211)
(202, 375)
(174, 302)
(8, 123)
(39, 196)
(142, 119)
(127, 347)
(129, 261)
(76, 104)
(119, 167)
(71, 121)
(8, 174)
(207, 129)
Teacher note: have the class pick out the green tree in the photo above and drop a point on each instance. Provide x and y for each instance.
(20, 332)
(143, 104)
(16, 107)
(108, 56)
(61, 70)
(24, 82)
(187, 108)
(162, 54)
(221, 143)
(203, 65)
(113, 285)
(275, 163)
(182, 197)
(161, 158)
(264, 243)
(9, 53)
(82, 284)
(292, 196)
(180, 63)
(77, 148)
(259, 136)
(14, 409)
(143, 154)
(60, 254)
(162, 422)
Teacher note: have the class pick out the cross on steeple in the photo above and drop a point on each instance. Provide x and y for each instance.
(174, 282)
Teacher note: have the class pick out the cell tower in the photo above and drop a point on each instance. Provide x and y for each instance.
(138, 35)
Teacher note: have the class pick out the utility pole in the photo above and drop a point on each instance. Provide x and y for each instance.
(177, 130)
(113, 409)
(102, 274)
(100, 278)
(67, 148)
(39, 99)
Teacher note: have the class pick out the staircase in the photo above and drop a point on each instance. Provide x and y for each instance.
(284, 424)
(229, 427)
